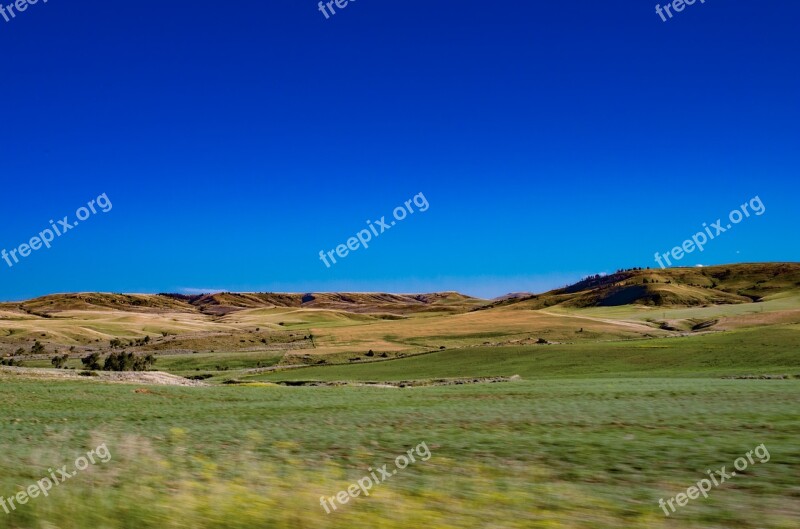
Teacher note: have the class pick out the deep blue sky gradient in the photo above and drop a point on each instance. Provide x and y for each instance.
(238, 139)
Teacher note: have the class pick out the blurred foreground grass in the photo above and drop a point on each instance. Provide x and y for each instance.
(570, 453)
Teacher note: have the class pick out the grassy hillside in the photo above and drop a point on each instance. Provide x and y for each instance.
(270, 328)
(345, 327)
(713, 285)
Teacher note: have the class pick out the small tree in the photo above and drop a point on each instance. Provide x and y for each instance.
(37, 348)
(59, 361)
(91, 362)
(147, 362)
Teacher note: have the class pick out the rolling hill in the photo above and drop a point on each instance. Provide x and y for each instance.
(629, 304)
(224, 303)
(672, 287)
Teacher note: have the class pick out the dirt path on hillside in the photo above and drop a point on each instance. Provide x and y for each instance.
(640, 327)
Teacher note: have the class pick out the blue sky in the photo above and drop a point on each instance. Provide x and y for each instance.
(237, 140)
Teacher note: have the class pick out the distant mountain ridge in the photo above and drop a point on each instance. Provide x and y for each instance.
(713, 285)
(222, 303)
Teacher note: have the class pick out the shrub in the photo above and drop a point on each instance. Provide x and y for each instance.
(59, 361)
(91, 362)
(140, 342)
(128, 362)
(200, 377)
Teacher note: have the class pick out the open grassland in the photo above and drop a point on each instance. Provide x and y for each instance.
(474, 328)
(736, 353)
(571, 453)
(335, 333)
(495, 342)
(614, 407)
(590, 437)
(749, 351)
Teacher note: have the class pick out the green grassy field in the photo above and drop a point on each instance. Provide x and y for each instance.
(734, 353)
(565, 453)
(591, 437)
